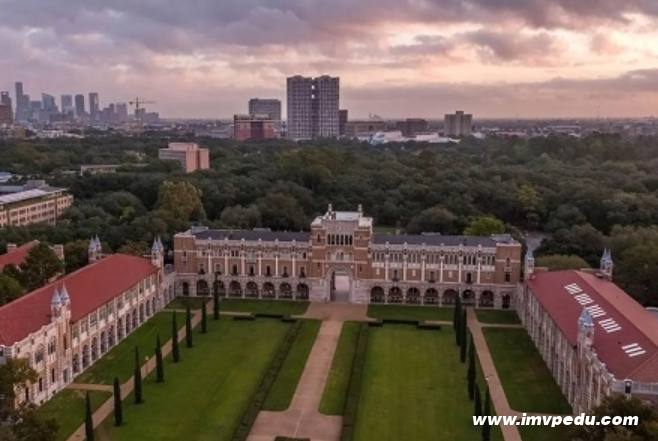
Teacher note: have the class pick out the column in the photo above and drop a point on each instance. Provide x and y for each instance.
(386, 261)
(441, 269)
(479, 269)
(260, 264)
(404, 270)
(276, 264)
(422, 268)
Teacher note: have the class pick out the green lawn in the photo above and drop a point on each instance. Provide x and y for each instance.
(204, 396)
(280, 396)
(528, 383)
(414, 388)
(285, 307)
(120, 361)
(497, 316)
(335, 391)
(404, 312)
(192, 302)
(67, 407)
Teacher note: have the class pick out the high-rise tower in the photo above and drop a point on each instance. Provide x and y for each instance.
(313, 107)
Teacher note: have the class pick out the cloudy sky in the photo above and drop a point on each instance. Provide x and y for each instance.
(396, 58)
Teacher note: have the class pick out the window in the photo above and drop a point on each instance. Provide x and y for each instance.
(507, 262)
(40, 384)
(302, 272)
(285, 271)
(268, 271)
(52, 375)
(432, 277)
(507, 277)
(251, 270)
(395, 274)
(303, 255)
(234, 270)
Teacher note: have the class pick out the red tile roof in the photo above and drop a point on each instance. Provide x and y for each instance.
(89, 288)
(625, 337)
(17, 256)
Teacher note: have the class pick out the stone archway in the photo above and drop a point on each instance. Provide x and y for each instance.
(218, 286)
(431, 296)
(235, 289)
(252, 290)
(468, 297)
(486, 299)
(507, 301)
(302, 291)
(450, 297)
(377, 295)
(269, 291)
(413, 296)
(202, 288)
(395, 295)
(285, 291)
(341, 283)
(186, 288)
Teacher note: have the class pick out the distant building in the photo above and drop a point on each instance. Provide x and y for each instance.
(412, 126)
(191, 157)
(313, 107)
(80, 106)
(269, 107)
(343, 116)
(94, 106)
(33, 203)
(98, 168)
(6, 114)
(459, 124)
(6, 99)
(253, 127)
(354, 129)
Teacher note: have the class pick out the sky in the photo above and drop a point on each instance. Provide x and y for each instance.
(395, 58)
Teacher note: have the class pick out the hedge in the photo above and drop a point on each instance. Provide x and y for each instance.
(400, 321)
(269, 315)
(244, 317)
(426, 325)
(285, 438)
(288, 319)
(352, 401)
(376, 324)
(256, 404)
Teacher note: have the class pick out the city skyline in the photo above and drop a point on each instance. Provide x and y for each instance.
(505, 59)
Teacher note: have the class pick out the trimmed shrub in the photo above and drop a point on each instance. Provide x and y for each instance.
(244, 317)
(352, 401)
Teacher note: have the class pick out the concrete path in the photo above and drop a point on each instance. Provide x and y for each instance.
(302, 419)
(87, 386)
(339, 312)
(126, 388)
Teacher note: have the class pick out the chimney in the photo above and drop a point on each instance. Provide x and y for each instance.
(11, 247)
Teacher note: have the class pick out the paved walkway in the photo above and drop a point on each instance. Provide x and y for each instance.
(86, 386)
(126, 388)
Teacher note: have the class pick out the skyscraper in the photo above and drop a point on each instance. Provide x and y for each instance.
(80, 105)
(48, 103)
(269, 107)
(67, 102)
(94, 106)
(5, 98)
(313, 107)
(459, 124)
(22, 103)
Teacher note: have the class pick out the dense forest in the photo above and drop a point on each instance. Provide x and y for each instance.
(583, 194)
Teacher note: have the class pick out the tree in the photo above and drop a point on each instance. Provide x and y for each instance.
(40, 266)
(182, 200)
(30, 426)
(75, 255)
(436, 219)
(138, 379)
(10, 289)
(215, 302)
(458, 318)
(557, 262)
(118, 410)
(486, 427)
(7, 434)
(134, 248)
(15, 375)
(619, 405)
(159, 365)
(471, 370)
(462, 337)
(175, 350)
(89, 420)
(485, 226)
(188, 327)
(456, 315)
(477, 405)
(204, 318)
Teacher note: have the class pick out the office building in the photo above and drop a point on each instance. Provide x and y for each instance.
(67, 102)
(94, 106)
(269, 107)
(313, 107)
(33, 203)
(122, 112)
(253, 127)
(22, 103)
(459, 124)
(356, 128)
(5, 99)
(412, 126)
(66, 326)
(428, 269)
(190, 156)
(48, 103)
(80, 106)
(343, 116)
(6, 115)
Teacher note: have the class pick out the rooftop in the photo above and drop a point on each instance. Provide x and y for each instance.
(17, 256)
(625, 337)
(89, 288)
(19, 196)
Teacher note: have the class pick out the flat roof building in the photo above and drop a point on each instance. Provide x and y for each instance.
(458, 124)
(253, 127)
(188, 154)
(33, 203)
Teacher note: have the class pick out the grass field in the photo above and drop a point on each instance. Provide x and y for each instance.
(414, 388)
(120, 361)
(283, 389)
(528, 383)
(192, 302)
(285, 307)
(497, 316)
(335, 391)
(204, 395)
(67, 407)
(410, 312)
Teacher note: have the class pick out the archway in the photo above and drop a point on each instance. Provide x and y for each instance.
(285, 291)
(86, 356)
(486, 299)
(235, 289)
(121, 330)
(111, 341)
(252, 289)
(340, 285)
(413, 296)
(141, 313)
(431, 296)
(395, 295)
(135, 319)
(94, 349)
(103, 342)
(468, 297)
(202, 288)
(129, 323)
(302, 291)
(186, 288)
(218, 286)
(377, 295)
(507, 300)
(269, 291)
(76, 362)
(449, 297)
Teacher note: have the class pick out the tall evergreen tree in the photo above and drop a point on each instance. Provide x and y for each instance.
(477, 407)
(215, 302)
(486, 428)
(458, 318)
(455, 316)
(471, 370)
(138, 379)
(89, 420)
(118, 410)
(188, 327)
(464, 342)
(204, 318)
(159, 365)
(175, 350)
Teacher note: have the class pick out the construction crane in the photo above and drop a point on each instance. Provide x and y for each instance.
(137, 103)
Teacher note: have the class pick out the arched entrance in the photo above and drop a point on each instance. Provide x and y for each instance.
(235, 289)
(269, 292)
(285, 291)
(413, 296)
(302, 291)
(507, 300)
(395, 295)
(218, 286)
(468, 297)
(431, 296)
(340, 285)
(486, 299)
(450, 297)
(377, 294)
(252, 289)
(186, 288)
(202, 288)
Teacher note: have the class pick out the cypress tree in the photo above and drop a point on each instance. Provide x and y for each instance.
(215, 302)
(89, 421)
(458, 318)
(175, 351)
(138, 379)
(204, 319)
(455, 316)
(462, 339)
(188, 327)
(477, 407)
(471, 370)
(486, 428)
(118, 411)
(159, 366)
